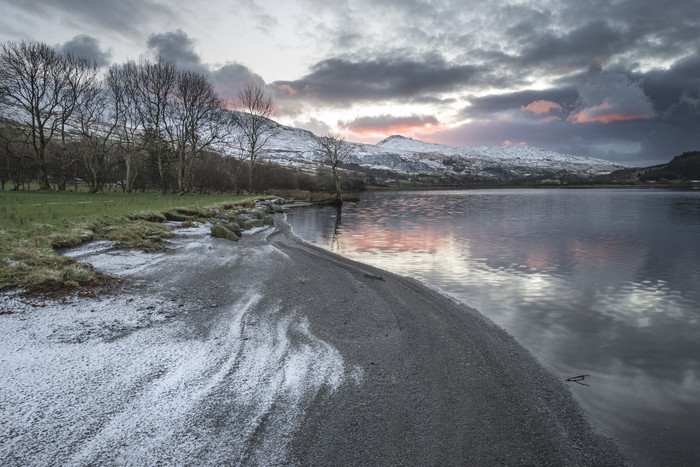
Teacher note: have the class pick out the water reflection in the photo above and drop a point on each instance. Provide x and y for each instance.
(602, 282)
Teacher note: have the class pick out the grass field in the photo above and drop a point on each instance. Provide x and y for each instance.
(33, 224)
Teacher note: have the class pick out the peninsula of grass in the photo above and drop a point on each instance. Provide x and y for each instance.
(34, 224)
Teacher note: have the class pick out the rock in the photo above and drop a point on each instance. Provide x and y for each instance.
(241, 217)
(222, 215)
(232, 226)
(253, 223)
(220, 231)
(258, 212)
(268, 220)
(277, 208)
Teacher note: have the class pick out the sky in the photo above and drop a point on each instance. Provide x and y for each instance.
(618, 80)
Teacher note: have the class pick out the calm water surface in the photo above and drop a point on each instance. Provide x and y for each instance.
(603, 282)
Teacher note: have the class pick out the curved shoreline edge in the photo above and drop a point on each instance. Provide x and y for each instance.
(485, 385)
(274, 351)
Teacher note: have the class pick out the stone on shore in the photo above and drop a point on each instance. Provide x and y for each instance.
(220, 231)
(232, 226)
(253, 223)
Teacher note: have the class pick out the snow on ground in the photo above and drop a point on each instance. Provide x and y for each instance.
(148, 374)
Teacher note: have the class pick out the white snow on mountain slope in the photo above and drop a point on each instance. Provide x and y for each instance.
(293, 146)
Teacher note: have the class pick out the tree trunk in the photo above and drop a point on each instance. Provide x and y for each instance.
(188, 174)
(161, 173)
(43, 177)
(338, 194)
(63, 175)
(127, 182)
(180, 173)
(250, 175)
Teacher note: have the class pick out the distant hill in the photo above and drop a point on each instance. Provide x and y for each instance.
(683, 168)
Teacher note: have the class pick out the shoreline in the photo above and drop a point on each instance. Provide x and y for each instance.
(273, 350)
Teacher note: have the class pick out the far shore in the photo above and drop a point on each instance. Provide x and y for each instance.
(494, 187)
(267, 351)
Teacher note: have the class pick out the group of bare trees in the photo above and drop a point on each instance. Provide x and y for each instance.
(138, 124)
(59, 111)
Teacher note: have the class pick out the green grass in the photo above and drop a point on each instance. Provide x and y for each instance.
(33, 224)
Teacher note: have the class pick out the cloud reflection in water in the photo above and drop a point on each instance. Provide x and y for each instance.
(591, 281)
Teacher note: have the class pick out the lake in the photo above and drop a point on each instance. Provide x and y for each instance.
(601, 282)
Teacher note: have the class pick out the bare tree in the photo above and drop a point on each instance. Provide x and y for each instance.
(154, 85)
(32, 88)
(195, 123)
(80, 74)
(98, 117)
(335, 151)
(121, 81)
(254, 125)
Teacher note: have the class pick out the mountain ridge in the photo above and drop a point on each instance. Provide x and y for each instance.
(409, 157)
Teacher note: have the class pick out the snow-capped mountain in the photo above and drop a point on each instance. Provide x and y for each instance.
(401, 155)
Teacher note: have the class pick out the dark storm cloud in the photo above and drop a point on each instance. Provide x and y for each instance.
(647, 26)
(230, 78)
(120, 16)
(571, 36)
(572, 48)
(340, 81)
(178, 47)
(86, 46)
(666, 87)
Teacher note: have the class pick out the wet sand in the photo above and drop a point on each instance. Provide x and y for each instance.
(273, 351)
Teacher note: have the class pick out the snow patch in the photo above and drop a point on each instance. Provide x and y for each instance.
(141, 377)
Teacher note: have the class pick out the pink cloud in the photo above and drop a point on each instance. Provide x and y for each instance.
(541, 107)
(511, 143)
(604, 113)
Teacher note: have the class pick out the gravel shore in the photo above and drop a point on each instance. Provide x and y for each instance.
(271, 351)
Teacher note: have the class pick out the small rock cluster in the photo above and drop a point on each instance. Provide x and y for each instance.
(231, 225)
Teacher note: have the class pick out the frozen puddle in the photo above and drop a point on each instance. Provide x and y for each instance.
(131, 380)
